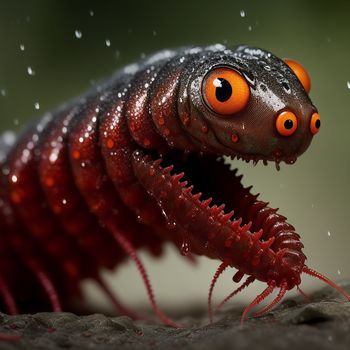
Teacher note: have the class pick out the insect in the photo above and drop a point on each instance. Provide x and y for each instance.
(138, 161)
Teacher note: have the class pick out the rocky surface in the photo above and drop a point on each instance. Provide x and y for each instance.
(323, 323)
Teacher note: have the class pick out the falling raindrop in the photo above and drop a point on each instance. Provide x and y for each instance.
(338, 272)
(329, 233)
(3, 92)
(91, 13)
(16, 121)
(154, 33)
(348, 84)
(242, 13)
(108, 43)
(30, 71)
(22, 47)
(250, 28)
(37, 105)
(78, 34)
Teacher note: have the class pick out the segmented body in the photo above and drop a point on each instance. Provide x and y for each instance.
(89, 184)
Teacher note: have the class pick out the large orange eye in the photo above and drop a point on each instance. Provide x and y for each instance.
(225, 91)
(301, 73)
(286, 123)
(315, 123)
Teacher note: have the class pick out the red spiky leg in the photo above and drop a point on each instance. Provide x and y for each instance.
(222, 267)
(259, 299)
(7, 268)
(103, 200)
(275, 301)
(7, 296)
(325, 279)
(247, 282)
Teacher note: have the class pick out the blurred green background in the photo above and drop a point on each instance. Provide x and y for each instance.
(51, 51)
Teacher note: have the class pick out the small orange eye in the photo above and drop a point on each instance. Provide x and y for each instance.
(286, 123)
(225, 91)
(301, 73)
(315, 123)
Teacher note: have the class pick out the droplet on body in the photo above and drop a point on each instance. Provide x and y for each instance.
(185, 248)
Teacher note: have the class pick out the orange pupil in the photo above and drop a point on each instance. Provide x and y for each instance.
(315, 123)
(225, 91)
(286, 123)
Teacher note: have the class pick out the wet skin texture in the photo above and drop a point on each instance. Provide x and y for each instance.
(112, 172)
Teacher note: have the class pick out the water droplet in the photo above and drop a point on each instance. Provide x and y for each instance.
(30, 70)
(37, 105)
(171, 224)
(338, 272)
(250, 28)
(154, 33)
(242, 13)
(3, 92)
(78, 34)
(185, 248)
(348, 84)
(108, 43)
(91, 13)
(328, 233)
(64, 201)
(16, 121)
(22, 47)
(330, 338)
